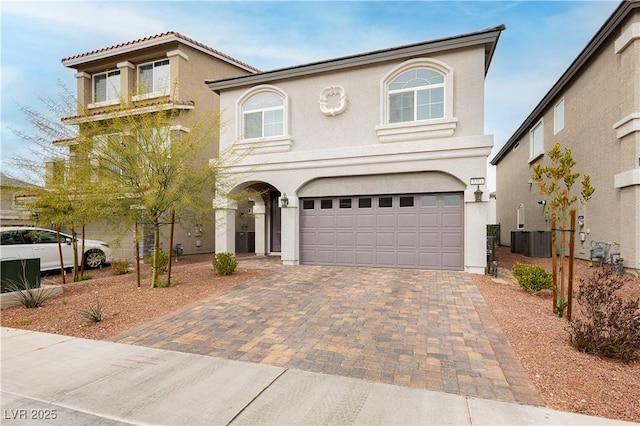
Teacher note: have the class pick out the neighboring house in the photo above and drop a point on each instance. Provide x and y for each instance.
(364, 160)
(164, 71)
(15, 197)
(593, 109)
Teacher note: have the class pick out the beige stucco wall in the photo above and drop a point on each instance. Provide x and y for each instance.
(606, 91)
(348, 144)
(189, 68)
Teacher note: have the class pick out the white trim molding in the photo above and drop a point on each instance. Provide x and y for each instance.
(82, 74)
(628, 125)
(628, 178)
(417, 130)
(627, 37)
(178, 52)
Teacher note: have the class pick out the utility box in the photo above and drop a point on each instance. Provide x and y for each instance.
(19, 274)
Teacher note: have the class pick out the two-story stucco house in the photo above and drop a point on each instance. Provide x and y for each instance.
(593, 109)
(364, 160)
(165, 71)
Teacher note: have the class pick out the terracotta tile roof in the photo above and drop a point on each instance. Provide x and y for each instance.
(129, 109)
(159, 38)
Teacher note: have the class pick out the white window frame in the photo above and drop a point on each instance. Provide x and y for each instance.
(558, 117)
(263, 114)
(433, 128)
(113, 91)
(415, 91)
(159, 88)
(262, 144)
(536, 141)
(520, 217)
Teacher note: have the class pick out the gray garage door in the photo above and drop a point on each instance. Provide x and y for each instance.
(406, 231)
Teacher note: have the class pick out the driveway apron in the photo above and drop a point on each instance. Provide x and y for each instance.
(421, 329)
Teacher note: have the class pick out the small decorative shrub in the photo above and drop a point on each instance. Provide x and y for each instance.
(163, 261)
(609, 326)
(120, 267)
(532, 278)
(224, 263)
(94, 312)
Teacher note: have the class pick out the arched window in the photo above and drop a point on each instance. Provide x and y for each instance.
(416, 95)
(263, 116)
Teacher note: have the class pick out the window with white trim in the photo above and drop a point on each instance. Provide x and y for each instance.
(263, 116)
(536, 140)
(416, 95)
(106, 86)
(153, 78)
(558, 117)
(154, 141)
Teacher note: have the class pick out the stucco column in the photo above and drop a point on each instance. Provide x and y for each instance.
(225, 216)
(290, 249)
(261, 229)
(475, 224)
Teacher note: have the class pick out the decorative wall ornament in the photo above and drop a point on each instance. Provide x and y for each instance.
(333, 100)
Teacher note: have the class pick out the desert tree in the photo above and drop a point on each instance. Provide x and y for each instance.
(555, 182)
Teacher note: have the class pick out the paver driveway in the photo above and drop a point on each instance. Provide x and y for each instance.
(423, 329)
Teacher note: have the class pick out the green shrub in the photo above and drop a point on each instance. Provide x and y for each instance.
(163, 261)
(532, 278)
(120, 267)
(224, 263)
(609, 326)
(93, 313)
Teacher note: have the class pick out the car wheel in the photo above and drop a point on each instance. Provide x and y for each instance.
(94, 258)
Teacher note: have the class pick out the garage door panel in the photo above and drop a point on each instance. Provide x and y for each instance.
(430, 260)
(451, 260)
(365, 258)
(452, 241)
(345, 222)
(452, 220)
(386, 221)
(385, 239)
(365, 221)
(407, 231)
(407, 259)
(406, 220)
(429, 220)
(326, 239)
(429, 240)
(365, 239)
(385, 258)
(406, 240)
(345, 257)
(326, 222)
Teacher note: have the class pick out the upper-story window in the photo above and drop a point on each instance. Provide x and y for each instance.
(416, 95)
(416, 102)
(263, 116)
(558, 117)
(106, 86)
(153, 78)
(536, 141)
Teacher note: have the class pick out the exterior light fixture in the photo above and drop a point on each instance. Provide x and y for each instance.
(478, 193)
(542, 202)
(284, 201)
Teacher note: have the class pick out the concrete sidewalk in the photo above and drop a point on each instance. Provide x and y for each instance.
(61, 380)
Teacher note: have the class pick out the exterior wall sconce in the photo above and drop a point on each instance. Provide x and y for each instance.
(284, 201)
(542, 202)
(478, 193)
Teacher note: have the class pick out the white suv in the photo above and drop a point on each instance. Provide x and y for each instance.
(23, 242)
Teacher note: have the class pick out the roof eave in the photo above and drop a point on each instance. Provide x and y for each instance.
(487, 37)
(74, 62)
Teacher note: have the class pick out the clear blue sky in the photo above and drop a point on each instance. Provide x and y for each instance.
(541, 40)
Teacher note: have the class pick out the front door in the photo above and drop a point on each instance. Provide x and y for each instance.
(276, 223)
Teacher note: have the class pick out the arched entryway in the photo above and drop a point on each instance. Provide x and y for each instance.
(249, 220)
